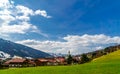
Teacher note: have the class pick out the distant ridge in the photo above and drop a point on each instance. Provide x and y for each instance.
(13, 49)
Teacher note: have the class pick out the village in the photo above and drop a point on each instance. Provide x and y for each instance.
(19, 62)
(25, 62)
(55, 61)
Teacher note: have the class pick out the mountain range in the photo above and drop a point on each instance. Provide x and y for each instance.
(11, 49)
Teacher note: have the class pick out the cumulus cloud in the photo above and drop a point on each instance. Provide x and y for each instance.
(22, 28)
(16, 18)
(75, 43)
(42, 13)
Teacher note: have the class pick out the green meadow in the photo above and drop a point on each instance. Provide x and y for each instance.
(108, 64)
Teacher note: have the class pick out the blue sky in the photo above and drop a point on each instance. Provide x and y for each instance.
(62, 19)
(76, 17)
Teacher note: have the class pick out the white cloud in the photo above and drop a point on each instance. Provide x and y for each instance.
(42, 13)
(24, 10)
(75, 43)
(6, 4)
(16, 18)
(21, 28)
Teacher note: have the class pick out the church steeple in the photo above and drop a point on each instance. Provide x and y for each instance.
(69, 52)
(69, 58)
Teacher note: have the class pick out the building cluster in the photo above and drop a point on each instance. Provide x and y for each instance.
(21, 62)
(53, 61)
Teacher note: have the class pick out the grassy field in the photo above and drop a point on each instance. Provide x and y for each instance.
(109, 64)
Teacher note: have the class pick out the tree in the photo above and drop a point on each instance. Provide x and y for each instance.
(69, 59)
(84, 58)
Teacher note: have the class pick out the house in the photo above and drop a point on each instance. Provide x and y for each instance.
(41, 62)
(76, 59)
(46, 61)
(51, 61)
(0, 63)
(2, 66)
(19, 62)
(61, 60)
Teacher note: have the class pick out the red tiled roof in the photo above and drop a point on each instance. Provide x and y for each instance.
(52, 60)
(16, 60)
(47, 60)
(60, 59)
(43, 60)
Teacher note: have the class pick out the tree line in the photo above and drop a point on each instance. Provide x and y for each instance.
(87, 57)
